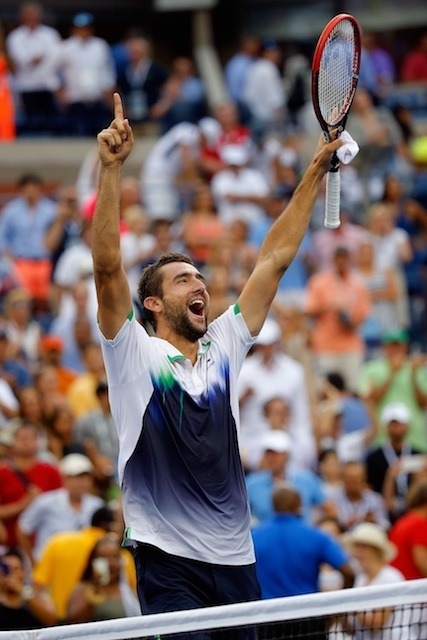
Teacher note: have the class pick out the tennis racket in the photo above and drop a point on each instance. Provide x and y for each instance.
(335, 73)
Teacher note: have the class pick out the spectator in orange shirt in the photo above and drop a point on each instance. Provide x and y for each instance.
(51, 349)
(338, 302)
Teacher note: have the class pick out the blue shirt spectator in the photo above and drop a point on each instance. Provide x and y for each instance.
(236, 69)
(290, 552)
(260, 486)
(23, 225)
(274, 469)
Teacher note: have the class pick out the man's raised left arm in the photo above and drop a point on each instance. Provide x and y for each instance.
(283, 239)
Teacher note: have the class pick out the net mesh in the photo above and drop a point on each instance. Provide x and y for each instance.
(336, 72)
(391, 612)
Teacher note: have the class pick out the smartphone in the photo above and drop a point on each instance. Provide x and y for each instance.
(413, 464)
(101, 568)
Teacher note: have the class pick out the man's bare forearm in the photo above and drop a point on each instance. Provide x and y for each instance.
(287, 232)
(106, 229)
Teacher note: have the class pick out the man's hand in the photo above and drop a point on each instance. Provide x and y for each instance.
(325, 151)
(116, 142)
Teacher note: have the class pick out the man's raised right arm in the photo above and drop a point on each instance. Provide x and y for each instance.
(114, 299)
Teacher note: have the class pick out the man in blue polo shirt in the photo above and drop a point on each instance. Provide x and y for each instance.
(290, 551)
(289, 554)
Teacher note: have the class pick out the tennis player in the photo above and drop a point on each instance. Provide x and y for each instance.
(174, 397)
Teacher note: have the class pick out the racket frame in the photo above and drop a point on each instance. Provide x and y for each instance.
(333, 180)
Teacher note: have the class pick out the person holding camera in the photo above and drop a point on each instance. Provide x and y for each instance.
(21, 606)
(103, 592)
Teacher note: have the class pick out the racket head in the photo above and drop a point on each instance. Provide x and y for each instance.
(335, 71)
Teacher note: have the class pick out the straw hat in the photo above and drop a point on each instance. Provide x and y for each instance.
(373, 536)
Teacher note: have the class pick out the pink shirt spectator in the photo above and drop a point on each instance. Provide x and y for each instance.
(327, 294)
(326, 241)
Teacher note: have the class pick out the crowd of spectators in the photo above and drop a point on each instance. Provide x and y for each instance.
(334, 392)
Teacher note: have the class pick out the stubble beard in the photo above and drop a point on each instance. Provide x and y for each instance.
(178, 318)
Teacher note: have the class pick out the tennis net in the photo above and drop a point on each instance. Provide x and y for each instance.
(390, 612)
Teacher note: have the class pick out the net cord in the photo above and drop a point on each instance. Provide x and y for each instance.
(235, 615)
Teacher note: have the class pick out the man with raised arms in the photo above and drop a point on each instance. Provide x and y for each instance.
(174, 397)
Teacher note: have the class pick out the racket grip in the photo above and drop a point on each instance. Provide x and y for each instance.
(332, 202)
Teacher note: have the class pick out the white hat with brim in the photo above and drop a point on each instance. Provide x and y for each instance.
(210, 129)
(277, 441)
(372, 535)
(235, 154)
(75, 464)
(395, 412)
(269, 334)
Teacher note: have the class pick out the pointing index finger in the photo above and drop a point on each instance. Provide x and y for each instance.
(118, 106)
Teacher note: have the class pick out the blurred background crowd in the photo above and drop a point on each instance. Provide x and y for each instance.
(333, 394)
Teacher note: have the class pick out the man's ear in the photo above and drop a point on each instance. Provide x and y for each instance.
(153, 304)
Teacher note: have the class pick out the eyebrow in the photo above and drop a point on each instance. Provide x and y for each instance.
(198, 275)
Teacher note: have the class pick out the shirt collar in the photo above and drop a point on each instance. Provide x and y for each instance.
(177, 355)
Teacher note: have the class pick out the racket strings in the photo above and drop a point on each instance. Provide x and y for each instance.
(336, 73)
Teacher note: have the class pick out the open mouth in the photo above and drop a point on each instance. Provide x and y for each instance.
(197, 307)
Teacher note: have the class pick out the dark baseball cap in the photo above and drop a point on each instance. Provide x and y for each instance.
(395, 336)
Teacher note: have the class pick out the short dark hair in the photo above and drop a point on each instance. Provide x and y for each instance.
(29, 178)
(151, 281)
(336, 380)
(102, 518)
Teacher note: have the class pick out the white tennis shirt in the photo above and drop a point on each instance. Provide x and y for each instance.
(182, 481)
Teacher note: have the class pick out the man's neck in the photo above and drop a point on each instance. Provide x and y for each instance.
(23, 462)
(354, 497)
(397, 445)
(75, 501)
(186, 347)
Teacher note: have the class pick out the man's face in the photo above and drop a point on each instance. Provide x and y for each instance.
(32, 192)
(185, 300)
(276, 462)
(79, 485)
(25, 442)
(397, 430)
(342, 262)
(31, 15)
(354, 479)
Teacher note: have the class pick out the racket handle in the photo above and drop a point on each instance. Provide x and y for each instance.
(332, 203)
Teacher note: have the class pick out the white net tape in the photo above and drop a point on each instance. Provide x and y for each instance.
(410, 596)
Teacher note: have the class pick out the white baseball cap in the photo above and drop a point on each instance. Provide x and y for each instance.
(74, 464)
(210, 128)
(235, 154)
(269, 333)
(278, 441)
(395, 411)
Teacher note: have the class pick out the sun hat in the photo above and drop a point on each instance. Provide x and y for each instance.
(372, 535)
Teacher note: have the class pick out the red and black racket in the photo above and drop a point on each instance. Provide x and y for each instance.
(335, 73)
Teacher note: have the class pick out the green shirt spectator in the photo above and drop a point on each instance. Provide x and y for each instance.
(398, 377)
